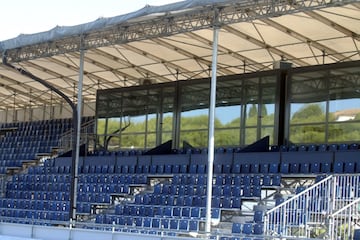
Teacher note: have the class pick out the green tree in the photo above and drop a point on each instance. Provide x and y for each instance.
(253, 112)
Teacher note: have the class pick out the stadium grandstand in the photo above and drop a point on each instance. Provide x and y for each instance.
(209, 119)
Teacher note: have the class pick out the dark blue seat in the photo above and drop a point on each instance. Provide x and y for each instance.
(247, 228)
(155, 223)
(174, 224)
(183, 224)
(236, 228)
(193, 225)
(236, 168)
(165, 223)
(284, 168)
(147, 222)
(258, 216)
(258, 228)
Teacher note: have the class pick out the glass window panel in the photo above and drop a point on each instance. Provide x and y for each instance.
(167, 122)
(227, 137)
(268, 114)
(310, 133)
(227, 116)
(250, 135)
(194, 119)
(166, 136)
(137, 124)
(251, 114)
(150, 140)
(307, 112)
(268, 131)
(114, 143)
(344, 132)
(151, 123)
(343, 110)
(195, 138)
(133, 141)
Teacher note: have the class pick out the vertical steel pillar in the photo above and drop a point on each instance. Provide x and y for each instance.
(211, 144)
(78, 135)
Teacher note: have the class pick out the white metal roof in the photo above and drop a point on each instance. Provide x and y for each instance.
(174, 42)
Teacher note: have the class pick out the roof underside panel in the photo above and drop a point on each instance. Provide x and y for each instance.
(175, 42)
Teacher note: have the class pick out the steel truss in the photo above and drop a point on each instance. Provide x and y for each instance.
(169, 24)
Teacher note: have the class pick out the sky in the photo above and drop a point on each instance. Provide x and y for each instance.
(33, 16)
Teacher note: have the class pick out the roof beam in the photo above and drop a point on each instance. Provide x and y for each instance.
(188, 54)
(180, 70)
(52, 73)
(263, 45)
(197, 18)
(19, 91)
(223, 49)
(140, 69)
(303, 38)
(333, 25)
(74, 68)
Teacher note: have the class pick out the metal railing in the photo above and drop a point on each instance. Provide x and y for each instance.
(86, 135)
(308, 213)
(343, 222)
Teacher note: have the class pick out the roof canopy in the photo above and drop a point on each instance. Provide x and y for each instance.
(174, 42)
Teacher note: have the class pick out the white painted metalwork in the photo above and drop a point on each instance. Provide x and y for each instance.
(317, 212)
(211, 141)
(344, 221)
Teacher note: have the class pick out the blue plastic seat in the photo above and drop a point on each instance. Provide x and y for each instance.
(274, 168)
(168, 169)
(254, 168)
(217, 168)
(245, 168)
(193, 225)
(226, 168)
(349, 167)
(155, 223)
(201, 169)
(193, 168)
(147, 222)
(174, 224)
(258, 228)
(284, 168)
(236, 168)
(236, 228)
(185, 212)
(258, 216)
(247, 228)
(304, 168)
(164, 223)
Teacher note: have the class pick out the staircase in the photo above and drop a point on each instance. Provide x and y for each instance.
(321, 211)
(87, 137)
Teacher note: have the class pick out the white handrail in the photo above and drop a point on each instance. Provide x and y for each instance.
(315, 209)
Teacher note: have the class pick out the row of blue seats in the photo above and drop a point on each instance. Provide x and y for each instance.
(193, 200)
(320, 167)
(39, 186)
(38, 195)
(228, 179)
(37, 178)
(96, 198)
(150, 222)
(247, 228)
(35, 204)
(166, 211)
(320, 147)
(217, 190)
(39, 215)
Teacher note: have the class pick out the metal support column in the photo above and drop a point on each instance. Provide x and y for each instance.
(78, 135)
(211, 143)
